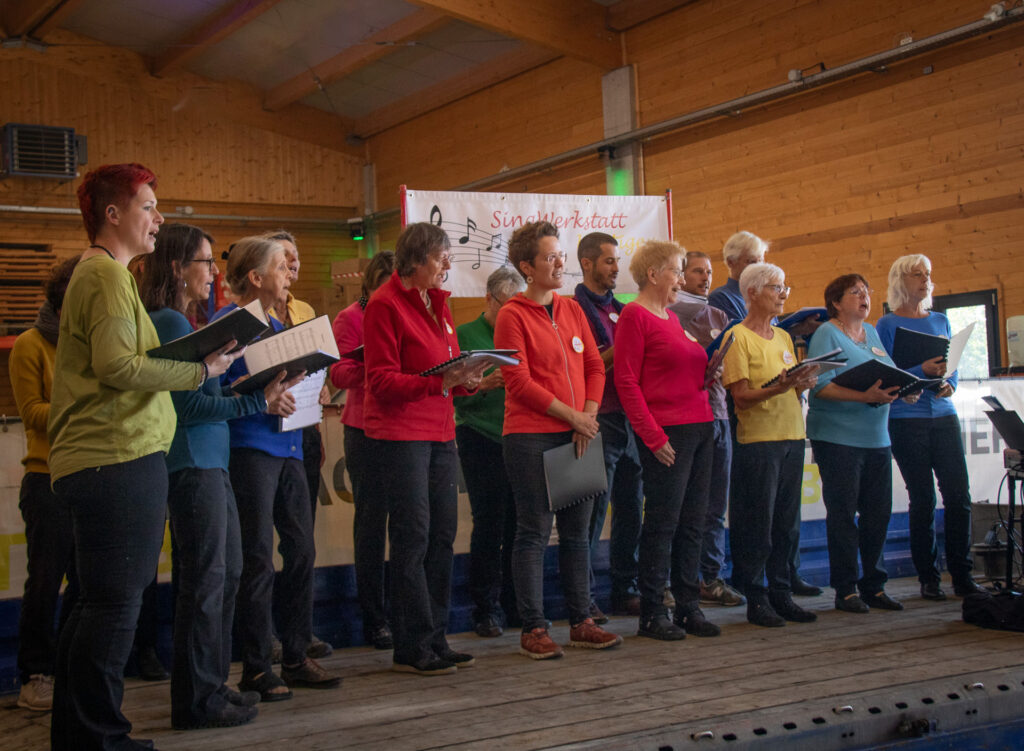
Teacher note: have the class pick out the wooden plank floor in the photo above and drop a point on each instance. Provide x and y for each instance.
(597, 698)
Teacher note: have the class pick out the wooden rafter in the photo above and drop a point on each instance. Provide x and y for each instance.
(35, 18)
(575, 28)
(478, 78)
(371, 48)
(626, 14)
(222, 24)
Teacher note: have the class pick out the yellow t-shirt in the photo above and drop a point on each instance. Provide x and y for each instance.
(298, 311)
(758, 360)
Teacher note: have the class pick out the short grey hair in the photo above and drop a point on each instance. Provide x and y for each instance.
(249, 253)
(757, 276)
(504, 282)
(743, 243)
(897, 294)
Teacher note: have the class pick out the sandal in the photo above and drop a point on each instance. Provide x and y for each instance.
(267, 685)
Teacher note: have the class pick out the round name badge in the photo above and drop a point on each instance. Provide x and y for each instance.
(787, 357)
(449, 327)
(690, 336)
(878, 351)
(715, 333)
(577, 344)
(614, 317)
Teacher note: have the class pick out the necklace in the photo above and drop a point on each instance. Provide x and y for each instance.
(104, 250)
(862, 341)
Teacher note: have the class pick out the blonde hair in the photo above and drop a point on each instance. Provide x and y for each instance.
(743, 243)
(653, 255)
(897, 295)
(757, 276)
(248, 254)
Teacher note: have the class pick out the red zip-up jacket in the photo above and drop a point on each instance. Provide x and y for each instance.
(558, 359)
(401, 340)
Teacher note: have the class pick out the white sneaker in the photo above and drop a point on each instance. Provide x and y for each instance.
(37, 694)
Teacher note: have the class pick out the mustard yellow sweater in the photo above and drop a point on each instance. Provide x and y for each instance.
(31, 367)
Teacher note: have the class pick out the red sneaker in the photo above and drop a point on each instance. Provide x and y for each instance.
(588, 634)
(537, 645)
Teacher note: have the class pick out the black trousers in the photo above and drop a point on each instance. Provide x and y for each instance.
(417, 480)
(50, 551)
(271, 494)
(207, 566)
(369, 531)
(676, 501)
(494, 524)
(118, 513)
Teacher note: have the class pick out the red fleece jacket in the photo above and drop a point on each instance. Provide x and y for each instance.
(401, 340)
(558, 359)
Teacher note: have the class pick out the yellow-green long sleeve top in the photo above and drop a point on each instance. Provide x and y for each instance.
(110, 402)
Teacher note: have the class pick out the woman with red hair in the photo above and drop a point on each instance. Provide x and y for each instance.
(111, 423)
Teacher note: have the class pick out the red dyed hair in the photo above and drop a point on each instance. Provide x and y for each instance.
(110, 184)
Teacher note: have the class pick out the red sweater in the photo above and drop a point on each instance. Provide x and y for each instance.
(401, 340)
(558, 360)
(659, 374)
(348, 373)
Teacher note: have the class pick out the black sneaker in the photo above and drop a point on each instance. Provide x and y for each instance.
(932, 591)
(694, 623)
(964, 587)
(760, 613)
(660, 627)
(435, 666)
(782, 603)
(852, 604)
(459, 659)
(228, 716)
(488, 627)
(802, 588)
(882, 601)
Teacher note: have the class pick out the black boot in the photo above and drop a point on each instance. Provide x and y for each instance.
(658, 626)
(691, 618)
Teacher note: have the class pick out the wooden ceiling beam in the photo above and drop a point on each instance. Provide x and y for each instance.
(219, 26)
(626, 14)
(373, 47)
(574, 28)
(445, 92)
(35, 18)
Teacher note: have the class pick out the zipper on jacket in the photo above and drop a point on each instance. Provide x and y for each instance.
(565, 359)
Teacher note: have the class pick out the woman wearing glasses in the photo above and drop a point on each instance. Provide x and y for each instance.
(204, 518)
(768, 462)
(926, 438)
(551, 398)
(850, 438)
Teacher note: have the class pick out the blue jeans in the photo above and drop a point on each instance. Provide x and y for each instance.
(921, 447)
(855, 482)
(369, 532)
(712, 547)
(625, 491)
(524, 461)
(271, 493)
(416, 479)
(207, 566)
(764, 507)
(674, 517)
(118, 514)
(494, 524)
(50, 550)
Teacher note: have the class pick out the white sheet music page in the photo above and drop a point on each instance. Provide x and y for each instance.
(308, 410)
(290, 344)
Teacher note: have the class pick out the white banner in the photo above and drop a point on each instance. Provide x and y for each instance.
(479, 226)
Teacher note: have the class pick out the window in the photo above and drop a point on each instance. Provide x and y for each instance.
(981, 357)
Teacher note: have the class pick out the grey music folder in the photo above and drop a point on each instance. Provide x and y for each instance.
(571, 480)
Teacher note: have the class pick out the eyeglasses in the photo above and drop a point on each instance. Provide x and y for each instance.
(860, 291)
(552, 258)
(678, 272)
(211, 264)
(778, 289)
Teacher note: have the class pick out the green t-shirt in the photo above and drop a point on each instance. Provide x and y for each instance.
(109, 403)
(483, 411)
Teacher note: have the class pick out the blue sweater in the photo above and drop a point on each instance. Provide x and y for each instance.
(846, 423)
(929, 405)
(201, 437)
(259, 431)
